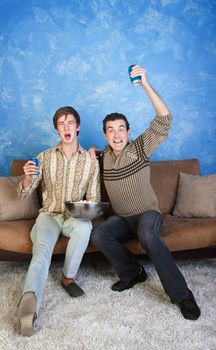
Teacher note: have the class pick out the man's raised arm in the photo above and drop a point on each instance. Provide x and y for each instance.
(159, 105)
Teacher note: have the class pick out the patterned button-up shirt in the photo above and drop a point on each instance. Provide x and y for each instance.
(64, 180)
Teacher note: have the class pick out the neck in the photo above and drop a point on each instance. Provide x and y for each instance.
(116, 153)
(69, 149)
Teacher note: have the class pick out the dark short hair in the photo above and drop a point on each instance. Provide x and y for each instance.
(65, 111)
(112, 117)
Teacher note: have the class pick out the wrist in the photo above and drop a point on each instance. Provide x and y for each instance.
(146, 86)
(26, 182)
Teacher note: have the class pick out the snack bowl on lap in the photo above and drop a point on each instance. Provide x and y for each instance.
(87, 210)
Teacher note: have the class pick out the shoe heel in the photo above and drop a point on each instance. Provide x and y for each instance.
(27, 313)
(26, 325)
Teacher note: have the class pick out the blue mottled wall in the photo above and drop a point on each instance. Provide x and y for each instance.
(76, 52)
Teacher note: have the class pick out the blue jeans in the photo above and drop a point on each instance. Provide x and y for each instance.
(109, 236)
(44, 236)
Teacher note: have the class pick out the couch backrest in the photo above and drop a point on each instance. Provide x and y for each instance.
(17, 167)
(164, 178)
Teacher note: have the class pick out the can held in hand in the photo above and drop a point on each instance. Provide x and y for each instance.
(135, 80)
(37, 163)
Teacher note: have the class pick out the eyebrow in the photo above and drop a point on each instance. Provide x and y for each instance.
(120, 126)
(66, 120)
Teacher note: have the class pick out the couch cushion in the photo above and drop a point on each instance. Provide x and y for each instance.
(13, 208)
(189, 233)
(196, 196)
(15, 237)
(178, 233)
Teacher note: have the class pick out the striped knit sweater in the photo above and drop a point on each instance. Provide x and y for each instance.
(127, 176)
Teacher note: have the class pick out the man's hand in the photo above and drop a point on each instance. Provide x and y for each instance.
(137, 70)
(29, 169)
(94, 153)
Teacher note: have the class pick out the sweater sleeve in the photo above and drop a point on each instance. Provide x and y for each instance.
(153, 136)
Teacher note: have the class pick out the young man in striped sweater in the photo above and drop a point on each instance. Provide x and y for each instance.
(126, 174)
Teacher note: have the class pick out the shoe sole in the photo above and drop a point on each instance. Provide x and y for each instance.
(27, 314)
(190, 317)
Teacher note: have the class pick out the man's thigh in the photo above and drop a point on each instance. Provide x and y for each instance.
(150, 222)
(115, 227)
(46, 229)
(74, 226)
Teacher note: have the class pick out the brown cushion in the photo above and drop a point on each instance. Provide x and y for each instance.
(13, 208)
(188, 233)
(196, 196)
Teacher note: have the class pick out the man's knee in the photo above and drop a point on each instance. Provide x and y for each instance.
(150, 230)
(85, 226)
(147, 238)
(150, 222)
(80, 228)
(84, 233)
(95, 236)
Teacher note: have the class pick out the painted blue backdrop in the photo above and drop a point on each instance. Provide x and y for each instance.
(76, 52)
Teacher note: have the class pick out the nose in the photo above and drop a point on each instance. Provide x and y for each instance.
(65, 126)
(116, 133)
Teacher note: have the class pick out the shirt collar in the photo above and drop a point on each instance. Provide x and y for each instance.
(79, 150)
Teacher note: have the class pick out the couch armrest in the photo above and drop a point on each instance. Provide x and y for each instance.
(17, 167)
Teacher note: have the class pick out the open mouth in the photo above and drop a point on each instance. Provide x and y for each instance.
(67, 136)
(117, 143)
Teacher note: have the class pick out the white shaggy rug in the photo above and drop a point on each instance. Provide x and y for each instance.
(141, 318)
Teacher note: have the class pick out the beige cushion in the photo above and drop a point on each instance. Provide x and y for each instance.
(196, 196)
(13, 208)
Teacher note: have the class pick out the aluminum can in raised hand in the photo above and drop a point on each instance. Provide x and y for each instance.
(135, 80)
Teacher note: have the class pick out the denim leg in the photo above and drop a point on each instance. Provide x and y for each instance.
(149, 231)
(44, 235)
(78, 232)
(108, 238)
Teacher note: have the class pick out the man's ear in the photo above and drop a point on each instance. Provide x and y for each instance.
(105, 136)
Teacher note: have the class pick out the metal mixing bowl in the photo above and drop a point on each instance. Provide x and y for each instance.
(87, 210)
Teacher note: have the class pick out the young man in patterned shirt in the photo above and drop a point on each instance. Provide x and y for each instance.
(126, 174)
(67, 173)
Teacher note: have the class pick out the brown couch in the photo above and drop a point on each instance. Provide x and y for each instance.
(191, 236)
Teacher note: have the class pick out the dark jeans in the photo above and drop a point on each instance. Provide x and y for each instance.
(109, 236)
